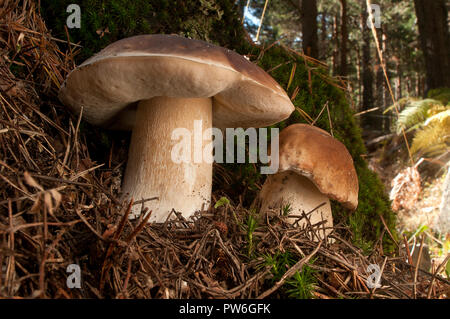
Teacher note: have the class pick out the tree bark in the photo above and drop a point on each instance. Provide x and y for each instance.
(336, 44)
(344, 39)
(309, 28)
(380, 82)
(358, 75)
(323, 36)
(367, 72)
(399, 81)
(434, 41)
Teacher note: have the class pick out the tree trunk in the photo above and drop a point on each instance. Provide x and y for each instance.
(380, 82)
(387, 93)
(323, 36)
(434, 41)
(336, 44)
(344, 39)
(367, 73)
(358, 75)
(309, 28)
(399, 85)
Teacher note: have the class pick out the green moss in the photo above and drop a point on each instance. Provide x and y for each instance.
(208, 20)
(301, 284)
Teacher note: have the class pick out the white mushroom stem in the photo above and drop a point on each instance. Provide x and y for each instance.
(302, 195)
(152, 172)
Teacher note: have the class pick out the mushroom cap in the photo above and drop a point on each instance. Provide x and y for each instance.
(109, 84)
(315, 154)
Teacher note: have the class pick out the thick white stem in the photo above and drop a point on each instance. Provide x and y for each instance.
(152, 170)
(303, 196)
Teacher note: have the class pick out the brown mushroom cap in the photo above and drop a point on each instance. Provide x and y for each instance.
(315, 154)
(108, 84)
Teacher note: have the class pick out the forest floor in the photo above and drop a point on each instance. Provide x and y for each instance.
(423, 215)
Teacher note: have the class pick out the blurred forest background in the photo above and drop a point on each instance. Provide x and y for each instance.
(412, 39)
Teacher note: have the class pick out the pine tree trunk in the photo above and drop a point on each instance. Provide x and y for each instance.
(336, 44)
(399, 85)
(344, 39)
(408, 85)
(434, 41)
(323, 36)
(358, 75)
(309, 28)
(367, 72)
(380, 82)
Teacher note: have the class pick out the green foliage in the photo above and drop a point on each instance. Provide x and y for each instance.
(286, 209)
(252, 223)
(415, 113)
(400, 104)
(223, 201)
(440, 94)
(434, 138)
(210, 20)
(301, 284)
(117, 18)
(367, 218)
(443, 116)
(431, 120)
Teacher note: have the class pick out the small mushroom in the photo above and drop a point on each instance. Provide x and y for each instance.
(313, 168)
(154, 84)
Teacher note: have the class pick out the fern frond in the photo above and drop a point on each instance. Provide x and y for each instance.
(443, 116)
(401, 104)
(433, 139)
(415, 113)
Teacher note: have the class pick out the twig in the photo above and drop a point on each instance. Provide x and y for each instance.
(297, 267)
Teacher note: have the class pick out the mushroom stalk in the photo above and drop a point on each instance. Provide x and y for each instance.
(302, 195)
(152, 170)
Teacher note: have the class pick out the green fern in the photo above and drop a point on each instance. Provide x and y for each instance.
(433, 139)
(401, 104)
(443, 116)
(415, 114)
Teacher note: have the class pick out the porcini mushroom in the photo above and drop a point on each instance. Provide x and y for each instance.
(313, 168)
(154, 84)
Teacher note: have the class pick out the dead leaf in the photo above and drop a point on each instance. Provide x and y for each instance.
(32, 182)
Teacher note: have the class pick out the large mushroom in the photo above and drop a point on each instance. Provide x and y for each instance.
(313, 168)
(154, 84)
